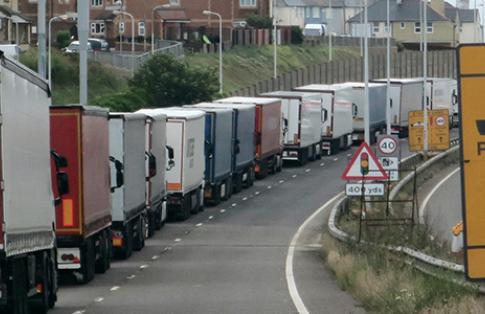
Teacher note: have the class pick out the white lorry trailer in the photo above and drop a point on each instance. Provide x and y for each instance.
(28, 269)
(185, 180)
(302, 125)
(377, 109)
(442, 93)
(337, 120)
(406, 95)
(156, 151)
(127, 156)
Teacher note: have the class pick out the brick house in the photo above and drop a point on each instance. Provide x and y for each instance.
(183, 20)
(14, 27)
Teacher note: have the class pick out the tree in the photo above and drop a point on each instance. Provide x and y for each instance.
(259, 22)
(165, 81)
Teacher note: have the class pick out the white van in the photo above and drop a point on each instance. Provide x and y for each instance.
(315, 30)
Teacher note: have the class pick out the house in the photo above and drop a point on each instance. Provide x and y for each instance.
(468, 28)
(406, 22)
(333, 13)
(15, 28)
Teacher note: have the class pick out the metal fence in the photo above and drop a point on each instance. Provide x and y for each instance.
(132, 62)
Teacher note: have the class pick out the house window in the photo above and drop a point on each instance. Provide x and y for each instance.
(403, 25)
(96, 3)
(174, 2)
(97, 28)
(375, 27)
(308, 12)
(141, 29)
(429, 28)
(417, 27)
(248, 3)
(316, 12)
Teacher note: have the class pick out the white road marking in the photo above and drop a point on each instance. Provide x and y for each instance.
(115, 288)
(223, 211)
(155, 257)
(290, 277)
(234, 204)
(210, 217)
(131, 277)
(424, 204)
(348, 155)
(199, 224)
(245, 199)
(322, 164)
(335, 159)
(166, 249)
(282, 181)
(308, 170)
(143, 266)
(256, 193)
(79, 312)
(178, 240)
(294, 176)
(100, 299)
(269, 187)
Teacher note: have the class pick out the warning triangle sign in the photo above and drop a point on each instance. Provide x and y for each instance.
(364, 165)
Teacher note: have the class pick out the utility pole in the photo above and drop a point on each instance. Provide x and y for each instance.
(360, 32)
(83, 32)
(41, 38)
(275, 42)
(424, 29)
(366, 77)
(388, 72)
(329, 17)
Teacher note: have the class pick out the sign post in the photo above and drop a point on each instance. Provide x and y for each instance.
(471, 76)
(389, 151)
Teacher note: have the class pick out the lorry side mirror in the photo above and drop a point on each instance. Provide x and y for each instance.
(60, 161)
(237, 149)
(171, 156)
(355, 110)
(285, 125)
(62, 183)
(390, 103)
(170, 152)
(120, 177)
(454, 98)
(152, 165)
(324, 115)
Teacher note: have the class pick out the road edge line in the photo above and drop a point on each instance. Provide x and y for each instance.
(290, 277)
(422, 208)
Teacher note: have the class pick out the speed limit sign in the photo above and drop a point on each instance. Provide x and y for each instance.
(388, 146)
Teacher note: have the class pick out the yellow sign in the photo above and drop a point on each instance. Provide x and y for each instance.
(471, 75)
(438, 130)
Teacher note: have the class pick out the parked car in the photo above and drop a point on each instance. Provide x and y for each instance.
(73, 48)
(315, 30)
(98, 44)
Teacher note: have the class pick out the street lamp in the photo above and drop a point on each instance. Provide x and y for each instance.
(388, 71)
(275, 42)
(49, 62)
(206, 12)
(132, 37)
(156, 8)
(424, 30)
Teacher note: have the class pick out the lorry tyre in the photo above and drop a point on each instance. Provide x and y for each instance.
(216, 194)
(53, 275)
(41, 303)
(228, 188)
(251, 176)
(279, 159)
(312, 155)
(158, 217)
(303, 157)
(88, 261)
(19, 304)
(103, 263)
(238, 184)
(184, 213)
(274, 165)
(152, 222)
(138, 234)
(127, 249)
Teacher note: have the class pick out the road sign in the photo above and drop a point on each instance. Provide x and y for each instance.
(370, 189)
(391, 165)
(364, 165)
(438, 130)
(388, 145)
(471, 75)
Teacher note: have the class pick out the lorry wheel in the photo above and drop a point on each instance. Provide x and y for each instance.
(102, 264)
(40, 304)
(158, 217)
(185, 208)
(238, 183)
(216, 194)
(228, 183)
(19, 302)
(311, 153)
(127, 249)
(279, 159)
(251, 176)
(54, 277)
(139, 234)
(303, 158)
(88, 256)
(152, 222)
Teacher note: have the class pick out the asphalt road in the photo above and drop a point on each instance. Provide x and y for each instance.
(230, 258)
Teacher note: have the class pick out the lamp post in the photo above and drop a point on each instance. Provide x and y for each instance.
(155, 9)
(366, 76)
(275, 43)
(424, 30)
(41, 12)
(49, 52)
(329, 17)
(132, 37)
(388, 72)
(221, 77)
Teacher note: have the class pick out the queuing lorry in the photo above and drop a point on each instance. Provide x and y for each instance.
(269, 141)
(406, 95)
(337, 120)
(127, 160)
(244, 147)
(219, 152)
(156, 165)
(377, 109)
(302, 125)
(80, 134)
(185, 180)
(27, 238)
(442, 93)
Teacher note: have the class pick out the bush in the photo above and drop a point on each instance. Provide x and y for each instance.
(167, 82)
(125, 101)
(63, 39)
(259, 22)
(296, 35)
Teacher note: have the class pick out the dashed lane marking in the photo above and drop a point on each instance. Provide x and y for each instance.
(308, 170)
(131, 277)
(322, 164)
(269, 187)
(100, 299)
(178, 240)
(211, 217)
(155, 257)
(115, 288)
(282, 181)
(79, 312)
(143, 266)
(199, 224)
(335, 159)
(234, 204)
(294, 176)
(257, 193)
(245, 198)
(222, 211)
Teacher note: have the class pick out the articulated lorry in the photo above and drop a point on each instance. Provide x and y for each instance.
(406, 95)
(127, 159)
(244, 117)
(157, 164)
(269, 141)
(442, 93)
(303, 116)
(337, 120)
(185, 180)
(219, 152)
(28, 270)
(80, 134)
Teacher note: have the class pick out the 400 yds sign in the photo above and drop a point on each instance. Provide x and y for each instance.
(370, 189)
